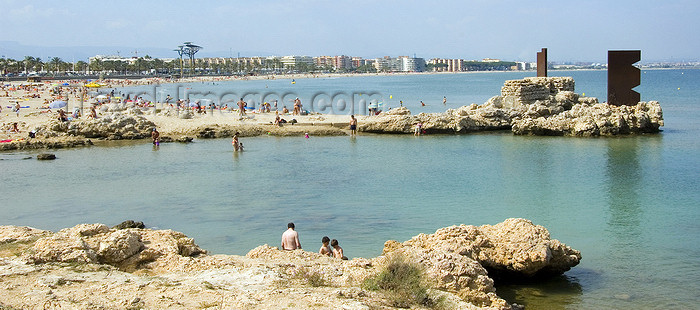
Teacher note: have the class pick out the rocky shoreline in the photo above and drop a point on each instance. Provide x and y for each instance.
(92, 266)
(531, 106)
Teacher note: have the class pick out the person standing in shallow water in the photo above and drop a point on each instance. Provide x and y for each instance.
(353, 125)
(235, 143)
(155, 135)
(290, 239)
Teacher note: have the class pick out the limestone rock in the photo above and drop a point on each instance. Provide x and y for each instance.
(515, 247)
(594, 120)
(518, 246)
(111, 126)
(128, 249)
(455, 273)
(118, 246)
(85, 230)
(10, 234)
(398, 111)
(62, 247)
(531, 106)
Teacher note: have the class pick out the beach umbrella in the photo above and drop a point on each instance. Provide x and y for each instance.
(57, 104)
(101, 97)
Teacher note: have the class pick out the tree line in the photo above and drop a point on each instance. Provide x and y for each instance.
(147, 65)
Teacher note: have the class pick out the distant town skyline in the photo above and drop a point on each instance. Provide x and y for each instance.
(504, 29)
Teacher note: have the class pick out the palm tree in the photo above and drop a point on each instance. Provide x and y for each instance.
(56, 62)
(39, 65)
(29, 63)
(81, 66)
(96, 65)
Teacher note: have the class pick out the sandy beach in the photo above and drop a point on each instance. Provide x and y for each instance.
(34, 97)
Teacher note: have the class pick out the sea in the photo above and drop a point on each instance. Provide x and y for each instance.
(630, 204)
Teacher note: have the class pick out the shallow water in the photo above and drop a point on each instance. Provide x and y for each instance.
(629, 204)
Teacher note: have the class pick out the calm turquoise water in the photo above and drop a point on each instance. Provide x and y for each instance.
(629, 204)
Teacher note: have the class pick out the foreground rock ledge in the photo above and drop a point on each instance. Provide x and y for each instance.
(91, 266)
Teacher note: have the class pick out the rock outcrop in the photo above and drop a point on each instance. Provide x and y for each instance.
(135, 267)
(452, 272)
(531, 106)
(127, 249)
(513, 248)
(20, 234)
(111, 126)
(47, 143)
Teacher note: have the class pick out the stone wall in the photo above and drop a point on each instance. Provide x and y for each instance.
(531, 89)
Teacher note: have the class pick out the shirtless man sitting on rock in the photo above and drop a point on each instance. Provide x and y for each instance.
(290, 239)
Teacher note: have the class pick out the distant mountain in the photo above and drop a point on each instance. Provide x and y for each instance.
(15, 50)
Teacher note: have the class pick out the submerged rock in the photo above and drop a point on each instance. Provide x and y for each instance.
(46, 156)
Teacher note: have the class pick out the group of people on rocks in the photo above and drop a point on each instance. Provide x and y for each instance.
(290, 242)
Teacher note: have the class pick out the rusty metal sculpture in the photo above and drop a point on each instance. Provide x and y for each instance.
(622, 77)
(542, 63)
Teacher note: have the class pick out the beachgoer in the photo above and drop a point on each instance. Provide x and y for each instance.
(325, 247)
(353, 125)
(235, 143)
(62, 116)
(277, 119)
(14, 128)
(240, 147)
(418, 129)
(241, 107)
(401, 103)
(155, 135)
(285, 110)
(93, 112)
(275, 104)
(337, 250)
(17, 107)
(290, 239)
(422, 104)
(306, 135)
(297, 106)
(444, 100)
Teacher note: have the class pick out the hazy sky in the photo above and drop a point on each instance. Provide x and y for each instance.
(472, 29)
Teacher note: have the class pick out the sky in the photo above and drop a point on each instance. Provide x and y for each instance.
(469, 29)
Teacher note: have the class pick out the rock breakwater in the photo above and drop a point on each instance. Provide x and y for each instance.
(531, 106)
(91, 265)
